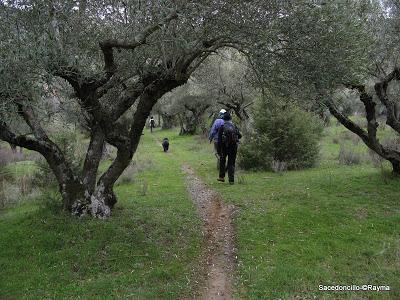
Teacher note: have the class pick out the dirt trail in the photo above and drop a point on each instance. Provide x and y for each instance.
(218, 238)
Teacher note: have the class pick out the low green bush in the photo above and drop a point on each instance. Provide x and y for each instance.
(284, 133)
(349, 156)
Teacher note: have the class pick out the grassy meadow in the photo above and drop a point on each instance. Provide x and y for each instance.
(146, 250)
(332, 224)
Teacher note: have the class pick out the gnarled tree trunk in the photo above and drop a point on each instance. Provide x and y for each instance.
(369, 136)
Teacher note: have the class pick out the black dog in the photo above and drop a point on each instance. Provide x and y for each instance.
(165, 144)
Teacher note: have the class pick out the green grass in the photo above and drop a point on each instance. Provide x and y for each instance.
(331, 224)
(147, 249)
(19, 168)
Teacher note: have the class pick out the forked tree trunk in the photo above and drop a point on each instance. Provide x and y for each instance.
(87, 197)
(82, 194)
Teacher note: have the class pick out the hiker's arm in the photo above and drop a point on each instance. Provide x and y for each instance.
(220, 130)
(213, 131)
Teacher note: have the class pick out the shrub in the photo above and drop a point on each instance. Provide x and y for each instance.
(251, 156)
(282, 133)
(51, 202)
(7, 156)
(278, 166)
(355, 139)
(348, 156)
(43, 175)
(346, 135)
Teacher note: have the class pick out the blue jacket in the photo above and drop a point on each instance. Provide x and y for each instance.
(213, 134)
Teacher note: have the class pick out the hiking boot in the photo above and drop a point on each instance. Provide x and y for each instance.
(221, 179)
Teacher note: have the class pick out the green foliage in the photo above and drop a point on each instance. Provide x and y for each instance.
(317, 46)
(282, 133)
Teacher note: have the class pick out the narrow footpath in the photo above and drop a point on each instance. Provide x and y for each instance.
(218, 237)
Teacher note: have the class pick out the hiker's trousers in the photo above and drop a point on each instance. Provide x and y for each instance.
(230, 154)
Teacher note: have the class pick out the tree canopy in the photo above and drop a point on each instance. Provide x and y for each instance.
(116, 59)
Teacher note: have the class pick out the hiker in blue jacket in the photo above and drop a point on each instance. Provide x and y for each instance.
(228, 140)
(213, 132)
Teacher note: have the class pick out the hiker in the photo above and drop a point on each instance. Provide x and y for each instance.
(213, 133)
(228, 139)
(152, 123)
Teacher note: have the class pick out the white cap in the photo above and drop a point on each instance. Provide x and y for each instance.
(222, 111)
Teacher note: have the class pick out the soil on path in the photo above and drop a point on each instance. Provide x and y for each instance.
(218, 238)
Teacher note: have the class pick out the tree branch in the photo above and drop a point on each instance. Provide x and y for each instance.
(381, 92)
(131, 95)
(108, 46)
(21, 140)
(204, 48)
(27, 113)
(346, 122)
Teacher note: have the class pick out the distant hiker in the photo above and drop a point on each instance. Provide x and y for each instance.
(213, 133)
(165, 144)
(228, 139)
(152, 123)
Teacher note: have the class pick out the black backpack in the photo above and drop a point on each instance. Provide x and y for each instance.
(229, 134)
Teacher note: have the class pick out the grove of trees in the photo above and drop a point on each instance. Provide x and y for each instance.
(109, 62)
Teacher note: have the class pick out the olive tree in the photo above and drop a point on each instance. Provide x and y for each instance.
(323, 47)
(116, 58)
(379, 85)
(228, 78)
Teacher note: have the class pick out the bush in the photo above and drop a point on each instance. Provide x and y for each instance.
(349, 156)
(251, 156)
(282, 133)
(8, 156)
(44, 176)
(278, 166)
